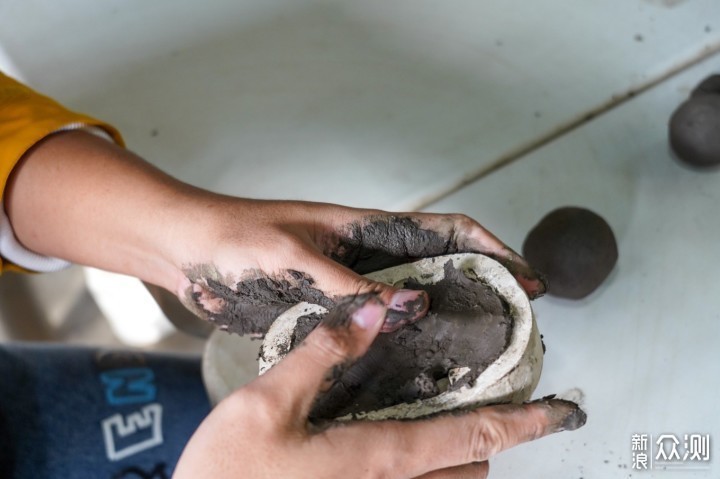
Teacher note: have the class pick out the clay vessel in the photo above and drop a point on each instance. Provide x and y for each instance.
(511, 378)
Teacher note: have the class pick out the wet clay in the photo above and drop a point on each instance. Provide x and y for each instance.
(467, 325)
(255, 303)
(709, 86)
(695, 131)
(388, 241)
(575, 248)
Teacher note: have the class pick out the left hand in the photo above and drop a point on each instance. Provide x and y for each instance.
(263, 256)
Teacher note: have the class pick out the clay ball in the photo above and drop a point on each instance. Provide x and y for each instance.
(576, 250)
(695, 126)
(709, 86)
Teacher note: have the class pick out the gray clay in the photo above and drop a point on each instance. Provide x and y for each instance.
(695, 131)
(467, 325)
(388, 241)
(709, 86)
(255, 303)
(695, 126)
(576, 250)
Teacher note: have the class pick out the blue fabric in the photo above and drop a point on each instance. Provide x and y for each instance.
(71, 413)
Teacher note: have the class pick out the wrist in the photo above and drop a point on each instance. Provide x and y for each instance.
(198, 227)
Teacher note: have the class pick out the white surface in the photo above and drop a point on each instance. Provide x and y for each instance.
(229, 362)
(644, 346)
(387, 102)
(134, 316)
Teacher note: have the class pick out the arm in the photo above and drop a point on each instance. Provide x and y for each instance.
(79, 197)
(84, 199)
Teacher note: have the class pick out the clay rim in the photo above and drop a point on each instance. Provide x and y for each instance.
(427, 271)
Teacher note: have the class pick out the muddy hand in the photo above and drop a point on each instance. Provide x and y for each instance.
(265, 256)
(262, 430)
(376, 241)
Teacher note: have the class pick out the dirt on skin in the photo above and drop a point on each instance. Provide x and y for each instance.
(256, 302)
(382, 241)
(467, 325)
(388, 241)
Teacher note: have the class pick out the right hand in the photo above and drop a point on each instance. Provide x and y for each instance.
(262, 430)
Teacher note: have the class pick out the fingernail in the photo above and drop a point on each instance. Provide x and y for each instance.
(405, 306)
(543, 281)
(564, 415)
(369, 314)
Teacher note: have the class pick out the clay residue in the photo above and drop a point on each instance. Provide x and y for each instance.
(254, 303)
(382, 241)
(467, 325)
(387, 241)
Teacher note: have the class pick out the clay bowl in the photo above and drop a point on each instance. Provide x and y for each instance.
(511, 378)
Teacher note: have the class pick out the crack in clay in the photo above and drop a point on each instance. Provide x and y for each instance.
(468, 325)
(254, 303)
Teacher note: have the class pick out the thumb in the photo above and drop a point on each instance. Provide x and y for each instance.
(344, 335)
(404, 305)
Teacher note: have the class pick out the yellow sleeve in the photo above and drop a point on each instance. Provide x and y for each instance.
(26, 117)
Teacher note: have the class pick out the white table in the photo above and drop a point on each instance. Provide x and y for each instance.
(373, 103)
(388, 104)
(644, 347)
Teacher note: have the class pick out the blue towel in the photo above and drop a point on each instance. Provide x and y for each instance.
(84, 413)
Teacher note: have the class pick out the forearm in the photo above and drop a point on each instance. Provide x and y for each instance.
(81, 198)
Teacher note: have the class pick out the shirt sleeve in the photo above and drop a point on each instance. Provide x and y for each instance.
(26, 117)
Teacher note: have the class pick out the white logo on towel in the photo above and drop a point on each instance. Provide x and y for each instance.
(145, 425)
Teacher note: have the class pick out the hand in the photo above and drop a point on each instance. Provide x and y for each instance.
(263, 256)
(262, 430)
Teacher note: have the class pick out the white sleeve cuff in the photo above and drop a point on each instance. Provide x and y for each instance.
(10, 247)
(12, 250)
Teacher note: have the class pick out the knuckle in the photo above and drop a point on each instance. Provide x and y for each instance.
(291, 245)
(396, 452)
(328, 347)
(251, 403)
(364, 286)
(487, 438)
(462, 219)
(468, 226)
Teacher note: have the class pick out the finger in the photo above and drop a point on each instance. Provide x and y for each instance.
(377, 241)
(414, 448)
(469, 236)
(248, 306)
(404, 305)
(475, 470)
(345, 334)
